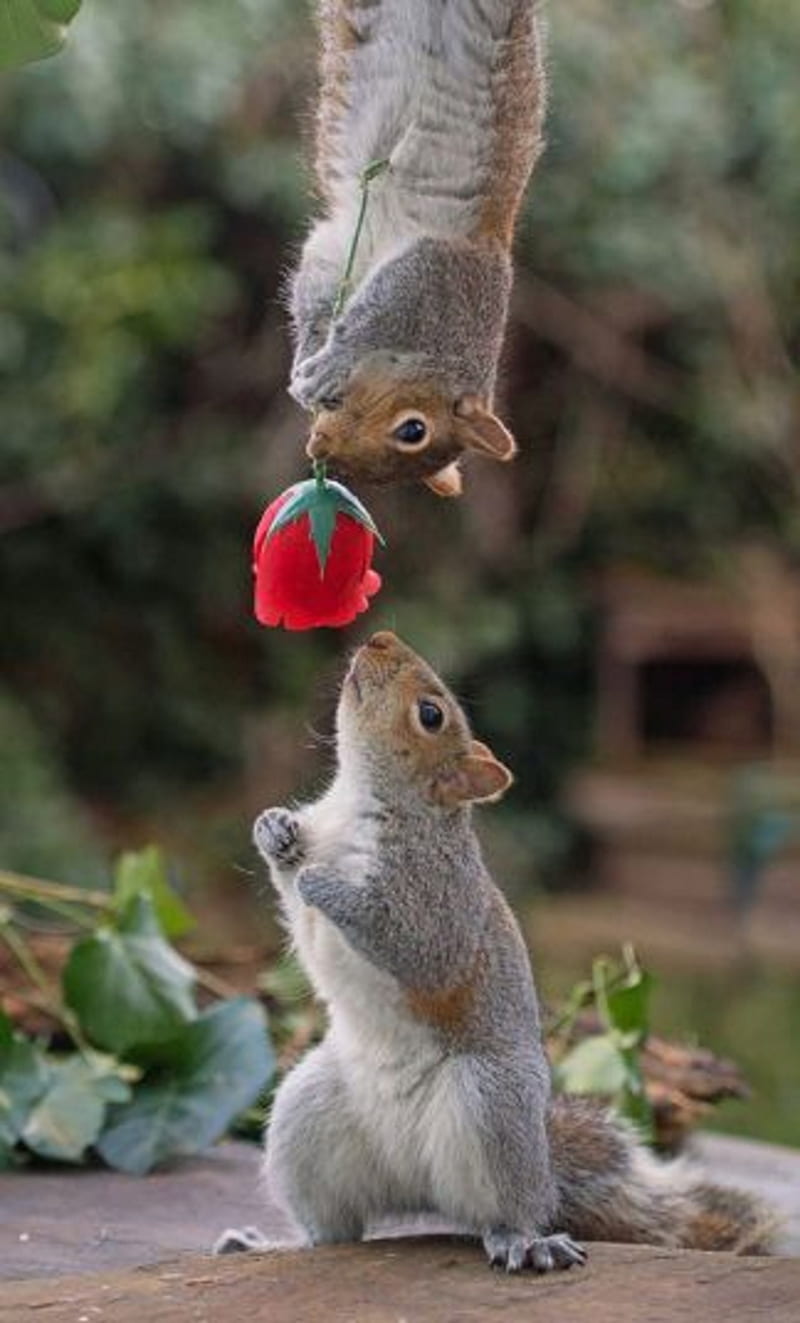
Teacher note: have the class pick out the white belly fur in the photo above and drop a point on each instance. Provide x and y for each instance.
(421, 97)
(412, 1098)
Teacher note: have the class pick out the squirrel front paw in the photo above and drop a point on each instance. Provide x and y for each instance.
(277, 836)
(514, 1251)
(319, 377)
(314, 885)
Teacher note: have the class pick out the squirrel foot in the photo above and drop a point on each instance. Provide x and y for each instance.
(276, 835)
(240, 1240)
(513, 1251)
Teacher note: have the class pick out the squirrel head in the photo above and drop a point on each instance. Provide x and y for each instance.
(398, 720)
(396, 422)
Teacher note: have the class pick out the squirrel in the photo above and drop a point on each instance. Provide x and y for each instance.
(449, 96)
(431, 1088)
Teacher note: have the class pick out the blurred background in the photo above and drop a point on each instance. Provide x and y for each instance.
(621, 612)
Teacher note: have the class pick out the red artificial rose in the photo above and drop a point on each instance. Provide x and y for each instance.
(307, 575)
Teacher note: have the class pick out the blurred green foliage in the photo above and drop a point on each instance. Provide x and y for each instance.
(746, 1014)
(609, 1063)
(43, 827)
(152, 188)
(33, 29)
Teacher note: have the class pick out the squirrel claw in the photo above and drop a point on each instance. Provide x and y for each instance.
(513, 1251)
(276, 835)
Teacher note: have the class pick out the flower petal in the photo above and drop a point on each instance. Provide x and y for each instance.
(290, 588)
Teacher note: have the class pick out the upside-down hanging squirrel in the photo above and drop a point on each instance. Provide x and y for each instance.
(449, 94)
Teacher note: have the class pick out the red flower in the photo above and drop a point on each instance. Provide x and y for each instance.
(311, 557)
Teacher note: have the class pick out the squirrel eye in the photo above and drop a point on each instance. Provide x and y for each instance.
(431, 716)
(411, 432)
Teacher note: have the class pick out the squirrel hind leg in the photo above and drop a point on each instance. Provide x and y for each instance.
(320, 1164)
(514, 1251)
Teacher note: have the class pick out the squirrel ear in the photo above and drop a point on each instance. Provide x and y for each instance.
(479, 429)
(478, 778)
(447, 482)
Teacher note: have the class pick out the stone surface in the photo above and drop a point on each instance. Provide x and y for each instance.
(95, 1246)
(434, 1280)
(63, 1221)
(66, 1221)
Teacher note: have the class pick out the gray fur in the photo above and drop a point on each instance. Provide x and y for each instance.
(433, 304)
(420, 88)
(392, 1114)
(431, 1088)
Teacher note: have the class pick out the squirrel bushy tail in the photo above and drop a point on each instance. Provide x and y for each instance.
(610, 1187)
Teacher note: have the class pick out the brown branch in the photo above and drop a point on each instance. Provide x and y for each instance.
(35, 889)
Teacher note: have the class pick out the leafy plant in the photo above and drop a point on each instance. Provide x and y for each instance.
(609, 1063)
(150, 1077)
(33, 29)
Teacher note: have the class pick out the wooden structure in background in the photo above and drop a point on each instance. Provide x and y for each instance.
(698, 690)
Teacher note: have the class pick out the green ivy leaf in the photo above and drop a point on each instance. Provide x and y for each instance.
(146, 871)
(623, 996)
(33, 29)
(70, 1115)
(628, 1006)
(594, 1066)
(61, 11)
(128, 986)
(24, 1077)
(208, 1074)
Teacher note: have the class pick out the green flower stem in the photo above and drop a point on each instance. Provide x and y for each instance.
(373, 170)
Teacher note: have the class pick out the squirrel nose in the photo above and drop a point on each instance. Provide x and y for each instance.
(318, 445)
(383, 640)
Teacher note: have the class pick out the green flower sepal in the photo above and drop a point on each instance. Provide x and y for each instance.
(322, 500)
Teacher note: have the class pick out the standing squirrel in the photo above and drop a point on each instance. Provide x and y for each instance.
(449, 94)
(431, 1088)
